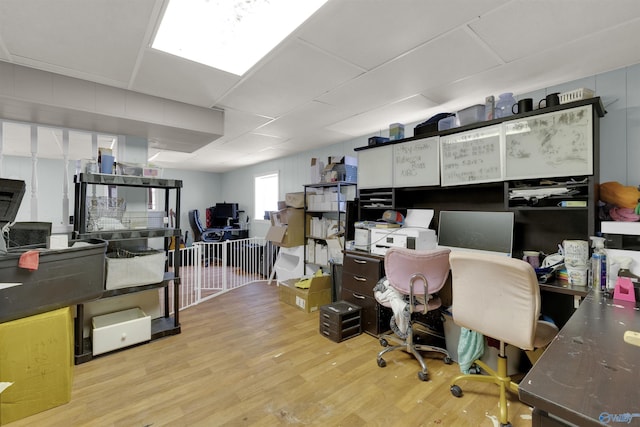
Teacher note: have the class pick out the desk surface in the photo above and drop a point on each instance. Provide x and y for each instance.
(588, 372)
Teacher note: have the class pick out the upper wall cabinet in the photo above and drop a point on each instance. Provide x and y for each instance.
(375, 167)
(550, 145)
(416, 163)
(472, 157)
(554, 142)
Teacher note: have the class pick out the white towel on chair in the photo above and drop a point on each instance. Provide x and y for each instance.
(388, 296)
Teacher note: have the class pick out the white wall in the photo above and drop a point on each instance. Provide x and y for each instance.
(619, 156)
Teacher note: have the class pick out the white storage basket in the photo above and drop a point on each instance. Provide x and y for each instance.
(576, 95)
(125, 268)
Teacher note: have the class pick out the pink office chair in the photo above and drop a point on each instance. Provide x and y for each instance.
(417, 276)
(498, 297)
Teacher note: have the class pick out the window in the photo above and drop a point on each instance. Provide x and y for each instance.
(265, 194)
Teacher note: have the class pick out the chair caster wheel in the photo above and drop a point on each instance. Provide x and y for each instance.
(382, 363)
(456, 391)
(423, 376)
(383, 342)
(447, 360)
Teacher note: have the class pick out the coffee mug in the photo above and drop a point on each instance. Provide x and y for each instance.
(532, 257)
(524, 105)
(551, 100)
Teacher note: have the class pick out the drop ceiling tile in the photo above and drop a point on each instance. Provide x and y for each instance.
(174, 78)
(378, 31)
(75, 34)
(447, 59)
(297, 74)
(523, 27)
(250, 143)
(312, 115)
(377, 121)
(570, 66)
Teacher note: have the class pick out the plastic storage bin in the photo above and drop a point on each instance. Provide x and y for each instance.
(470, 115)
(448, 123)
(64, 277)
(340, 320)
(576, 95)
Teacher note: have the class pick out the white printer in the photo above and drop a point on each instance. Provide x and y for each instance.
(405, 237)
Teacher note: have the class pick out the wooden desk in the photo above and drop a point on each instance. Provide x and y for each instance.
(588, 373)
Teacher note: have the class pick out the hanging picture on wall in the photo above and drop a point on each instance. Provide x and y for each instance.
(550, 145)
(471, 157)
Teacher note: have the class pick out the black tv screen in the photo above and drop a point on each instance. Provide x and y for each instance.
(226, 210)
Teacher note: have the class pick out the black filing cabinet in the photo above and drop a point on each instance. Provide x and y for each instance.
(340, 321)
(360, 273)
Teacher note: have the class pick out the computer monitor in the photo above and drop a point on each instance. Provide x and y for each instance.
(28, 233)
(222, 212)
(490, 232)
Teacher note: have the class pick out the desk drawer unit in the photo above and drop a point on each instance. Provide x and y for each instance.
(359, 276)
(340, 320)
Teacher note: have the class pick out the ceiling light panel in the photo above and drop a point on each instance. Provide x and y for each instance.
(229, 35)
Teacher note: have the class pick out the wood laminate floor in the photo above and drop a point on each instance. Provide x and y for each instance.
(246, 359)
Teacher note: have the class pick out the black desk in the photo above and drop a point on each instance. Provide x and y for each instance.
(588, 373)
(560, 300)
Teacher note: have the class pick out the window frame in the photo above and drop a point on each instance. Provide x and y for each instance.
(259, 216)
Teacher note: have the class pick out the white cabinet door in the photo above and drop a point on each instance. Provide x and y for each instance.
(375, 167)
(416, 163)
(550, 145)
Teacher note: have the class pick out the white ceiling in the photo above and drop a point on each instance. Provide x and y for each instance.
(352, 69)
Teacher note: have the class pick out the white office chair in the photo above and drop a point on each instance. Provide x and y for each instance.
(498, 297)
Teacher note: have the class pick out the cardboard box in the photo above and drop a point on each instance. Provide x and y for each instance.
(287, 228)
(294, 200)
(316, 170)
(36, 355)
(307, 300)
(344, 160)
(341, 168)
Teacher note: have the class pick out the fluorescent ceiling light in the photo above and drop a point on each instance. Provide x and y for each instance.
(231, 35)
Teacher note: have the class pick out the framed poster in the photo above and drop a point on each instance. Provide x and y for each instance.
(550, 145)
(471, 157)
(416, 163)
